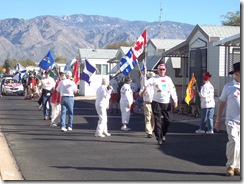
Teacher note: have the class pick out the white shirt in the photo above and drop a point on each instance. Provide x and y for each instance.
(207, 96)
(148, 94)
(103, 96)
(48, 83)
(231, 94)
(67, 87)
(163, 88)
(126, 94)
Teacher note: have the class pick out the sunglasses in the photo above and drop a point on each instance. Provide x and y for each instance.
(162, 69)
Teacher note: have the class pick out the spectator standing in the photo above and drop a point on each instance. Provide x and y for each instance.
(114, 100)
(164, 89)
(147, 93)
(134, 89)
(55, 101)
(230, 97)
(47, 86)
(67, 89)
(126, 100)
(207, 105)
(103, 95)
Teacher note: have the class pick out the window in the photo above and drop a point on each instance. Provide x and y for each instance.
(102, 69)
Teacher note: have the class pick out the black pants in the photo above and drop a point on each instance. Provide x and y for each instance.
(162, 118)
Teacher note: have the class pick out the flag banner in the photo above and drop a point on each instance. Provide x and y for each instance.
(127, 63)
(68, 65)
(76, 72)
(140, 44)
(47, 61)
(20, 72)
(189, 90)
(87, 72)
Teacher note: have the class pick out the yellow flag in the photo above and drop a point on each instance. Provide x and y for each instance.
(189, 90)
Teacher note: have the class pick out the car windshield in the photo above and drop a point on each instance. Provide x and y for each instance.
(11, 81)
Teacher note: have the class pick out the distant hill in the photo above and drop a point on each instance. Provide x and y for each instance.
(63, 35)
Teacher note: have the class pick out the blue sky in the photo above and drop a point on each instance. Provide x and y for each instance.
(202, 12)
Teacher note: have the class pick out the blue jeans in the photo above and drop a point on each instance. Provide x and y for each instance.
(45, 100)
(139, 101)
(207, 115)
(67, 104)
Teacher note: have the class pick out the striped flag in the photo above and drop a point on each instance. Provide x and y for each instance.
(189, 90)
(87, 72)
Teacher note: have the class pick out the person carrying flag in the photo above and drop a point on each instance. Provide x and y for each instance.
(47, 86)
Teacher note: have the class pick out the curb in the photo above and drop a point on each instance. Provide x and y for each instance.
(8, 166)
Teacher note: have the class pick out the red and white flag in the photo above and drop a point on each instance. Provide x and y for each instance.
(76, 72)
(140, 44)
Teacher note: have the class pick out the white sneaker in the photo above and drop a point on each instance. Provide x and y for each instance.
(164, 139)
(199, 131)
(69, 129)
(107, 134)
(64, 129)
(53, 124)
(210, 132)
(98, 135)
(125, 128)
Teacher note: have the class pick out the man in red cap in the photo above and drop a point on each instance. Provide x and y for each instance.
(230, 96)
(164, 89)
(207, 105)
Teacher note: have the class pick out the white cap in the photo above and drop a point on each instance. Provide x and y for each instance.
(68, 73)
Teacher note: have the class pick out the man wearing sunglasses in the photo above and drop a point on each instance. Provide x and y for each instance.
(163, 90)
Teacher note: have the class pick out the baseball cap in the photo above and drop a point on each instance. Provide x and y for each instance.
(161, 66)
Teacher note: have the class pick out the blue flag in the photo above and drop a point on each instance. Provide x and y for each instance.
(20, 72)
(127, 63)
(87, 72)
(47, 61)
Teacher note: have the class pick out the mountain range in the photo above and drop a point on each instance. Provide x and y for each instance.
(63, 35)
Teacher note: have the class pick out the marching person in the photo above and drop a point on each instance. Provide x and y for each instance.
(47, 86)
(147, 93)
(230, 96)
(103, 94)
(126, 100)
(163, 88)
(67, 89)
(207, 105)
(55, 101)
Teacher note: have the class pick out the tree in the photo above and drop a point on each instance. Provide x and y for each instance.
(9, 64)
(60, 59)
(231, 19)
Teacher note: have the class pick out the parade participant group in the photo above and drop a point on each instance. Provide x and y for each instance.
(158, 94)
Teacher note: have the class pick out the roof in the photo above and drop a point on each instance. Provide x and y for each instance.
(97, 53)
(152, 62)
(221, 31)
(211, 32)
(165, 44)
(230, 41)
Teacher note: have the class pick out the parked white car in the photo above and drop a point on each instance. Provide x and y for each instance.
(11, 86)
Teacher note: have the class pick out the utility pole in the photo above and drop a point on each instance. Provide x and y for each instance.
(160, 21)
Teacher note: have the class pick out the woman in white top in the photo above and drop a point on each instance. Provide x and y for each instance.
(102, 104)
(207, 105)
(126, 100)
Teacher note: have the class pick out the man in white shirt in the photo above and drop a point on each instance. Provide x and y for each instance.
(163, 89)
(230, 96)
(47, 85)
(67, 89)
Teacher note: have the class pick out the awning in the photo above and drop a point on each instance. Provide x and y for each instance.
(181, 50)
(230, 41)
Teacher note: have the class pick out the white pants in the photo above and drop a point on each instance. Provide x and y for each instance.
(125, 113)
(233, 145)
(102, 126)
(56, 109)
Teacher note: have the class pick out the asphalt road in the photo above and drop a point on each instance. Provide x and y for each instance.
(44, 153)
